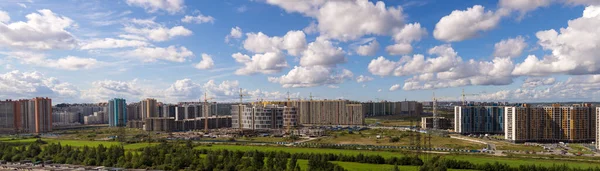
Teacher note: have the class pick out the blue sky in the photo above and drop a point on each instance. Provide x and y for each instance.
(177, 50)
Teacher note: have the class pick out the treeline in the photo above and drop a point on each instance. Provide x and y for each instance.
(440, 164)
(183, 156)
(360, 158)
(163, 157)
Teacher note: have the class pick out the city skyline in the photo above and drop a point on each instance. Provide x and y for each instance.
(176, 50)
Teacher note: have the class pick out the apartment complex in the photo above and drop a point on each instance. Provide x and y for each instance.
(26, 116)
(553, 123)
(383, 108)
(117, 112)
(328, 112)
(259, 117)
(479, 119)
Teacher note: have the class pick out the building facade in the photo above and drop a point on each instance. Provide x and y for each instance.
(149, 108)
(259, 117)
(553, 123)
(443, 123)
(384, 108)
(7, 116)
(598, 127)
(117, 112)
(479, 119)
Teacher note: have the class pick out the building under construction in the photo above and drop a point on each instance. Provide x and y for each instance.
(442, 122)
(326, 112)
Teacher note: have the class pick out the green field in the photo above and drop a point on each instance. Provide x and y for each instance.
(82, 143)
(369, 137)
(385, 154)
(514, 162)
(477, 159)
(351, 166)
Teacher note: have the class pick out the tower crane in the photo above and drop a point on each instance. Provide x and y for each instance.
(464, 101)
(206, 110)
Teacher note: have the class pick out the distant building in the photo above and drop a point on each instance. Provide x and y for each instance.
(117, 112)
(443, 123)
(479, 119)
(7, 116)
(328, 112)
(554, 123)
(597, 127)
(96, 118)
(383, 108)
(149, 108)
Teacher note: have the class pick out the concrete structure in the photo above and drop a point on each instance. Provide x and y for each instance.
(383, 108)
(479, 119)
(554, 123)
(443, 123)
(117, 112)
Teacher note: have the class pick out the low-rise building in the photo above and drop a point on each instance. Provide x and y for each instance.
(430, 123)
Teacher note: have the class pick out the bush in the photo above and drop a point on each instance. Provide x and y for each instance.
(395, 139)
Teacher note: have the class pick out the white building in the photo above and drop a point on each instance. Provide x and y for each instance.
(260, 117)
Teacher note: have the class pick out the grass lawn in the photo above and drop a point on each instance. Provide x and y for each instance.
(82, 143)
(351, 166)
(478, 159)
(385, 154)
(514, 162)
(369, 137)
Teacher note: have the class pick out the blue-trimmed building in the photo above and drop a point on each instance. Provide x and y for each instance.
(117, 112)
(479, 119)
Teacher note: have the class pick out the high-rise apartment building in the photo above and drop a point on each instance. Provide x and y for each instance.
(554, 123)
(7, 116)
(598, 127)
(149, 108)
(117, 112)
(26, 116)
(392, 108)
(479, 119)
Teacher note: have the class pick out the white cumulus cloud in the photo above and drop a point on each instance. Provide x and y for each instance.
(461, 25)
(368, 49)
(152, 6)
(43, 30)
(512, 47)
(206, 62)
(152, 54)
(199, 19)
(312, 76)
(574, 49)
(267, 63)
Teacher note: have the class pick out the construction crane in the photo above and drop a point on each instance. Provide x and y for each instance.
(242, 95)
(288, 105)
(464, 101)
(206, 110)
